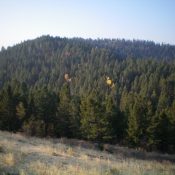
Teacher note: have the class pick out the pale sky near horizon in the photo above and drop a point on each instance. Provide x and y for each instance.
(130, 19)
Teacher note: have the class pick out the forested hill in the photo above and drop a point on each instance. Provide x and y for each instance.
(45, 60)
(104, 90)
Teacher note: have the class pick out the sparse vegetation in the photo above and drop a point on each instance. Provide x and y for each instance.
(35, 156)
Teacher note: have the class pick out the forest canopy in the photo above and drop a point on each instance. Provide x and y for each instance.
(105, 90)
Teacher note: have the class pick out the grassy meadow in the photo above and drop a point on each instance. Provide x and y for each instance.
(21, 155)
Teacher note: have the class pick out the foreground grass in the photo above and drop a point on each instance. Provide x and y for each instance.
(21, 155)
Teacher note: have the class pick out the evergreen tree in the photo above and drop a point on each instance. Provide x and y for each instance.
(63, 127)
(164, 132)
(133, 128)
(95, 125)
(46, 108)
(8, 111)
(74, 111)
(116, 120)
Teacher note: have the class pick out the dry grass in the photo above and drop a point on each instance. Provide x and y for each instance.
(33, 156)
(43, 169)
(8, 159)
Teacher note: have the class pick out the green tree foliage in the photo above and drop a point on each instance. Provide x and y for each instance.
(8, 110)
(133, 128)
(164, 132)
(45, 103)
(137, 108)
(116, 120)
(94, 122)
(100, 118)
(74, 112)
(63, 117)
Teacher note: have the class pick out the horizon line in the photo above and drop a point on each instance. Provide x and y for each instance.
(87, 38)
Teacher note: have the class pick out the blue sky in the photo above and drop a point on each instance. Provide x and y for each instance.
(130, 19)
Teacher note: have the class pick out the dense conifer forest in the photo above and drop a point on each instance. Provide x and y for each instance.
(103, 90)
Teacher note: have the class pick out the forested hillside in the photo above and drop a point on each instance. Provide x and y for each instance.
(114, 91)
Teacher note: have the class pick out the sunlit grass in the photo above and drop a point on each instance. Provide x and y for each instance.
(34, 156)
(8, 159)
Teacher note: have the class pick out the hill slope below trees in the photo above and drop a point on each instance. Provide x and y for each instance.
(22, 155)
(114, 91)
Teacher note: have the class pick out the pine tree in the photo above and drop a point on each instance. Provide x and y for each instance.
(132, 130)
(46, 108)
(63, 127)
(164, 132)
(115, 119)
(95, 124)
(74, 111)
(8, 111)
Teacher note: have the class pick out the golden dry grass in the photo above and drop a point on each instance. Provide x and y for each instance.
(33, 156)
(8, 159)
